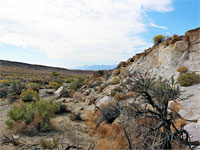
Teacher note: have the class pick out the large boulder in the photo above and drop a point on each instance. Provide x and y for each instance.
(61, 92)
(78, 96)
(189, 115)
(190, 102)
(194, 131)
(104, 100)
(90, 99)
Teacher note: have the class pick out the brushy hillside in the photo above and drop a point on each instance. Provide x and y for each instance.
(24, 68)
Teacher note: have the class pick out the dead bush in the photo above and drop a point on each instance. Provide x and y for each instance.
(182, 69)
(153, 126)
(141, 127)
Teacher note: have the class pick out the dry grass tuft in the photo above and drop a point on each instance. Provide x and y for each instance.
(176, 106)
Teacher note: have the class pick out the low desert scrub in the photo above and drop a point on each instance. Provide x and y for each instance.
(77, 83)
(37, 80)
(158, 39)
(153, 126)
(115, 80)
(182, 69)
(29, 95)
(49, 143)
(16, 89)
(115, 91)
(188, 79)
(33, 86)
(4, 91)
(24, 117)
(54, 85)
(108, 113)
(124, 96)
(5, 82)
(110, 136)
(94, 82)
(142, 127)
(175, 106)
(54, 74)
(69, 80)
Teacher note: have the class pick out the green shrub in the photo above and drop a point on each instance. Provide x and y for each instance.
(34, 86)
(37, 114)
(37, 80)
(5, 82)
(115, 80)
(182, 69)
(29, 95)
(77, 83)
(4, 91)
(49, 143)
(54, 74)
(115, 91)
(10, 124)
(54, 85)
(158, 39)
(16, 89)
(98, 83)
(188, 79)
(69, 80)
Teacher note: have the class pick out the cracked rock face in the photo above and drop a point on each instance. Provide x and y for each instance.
(164, 59)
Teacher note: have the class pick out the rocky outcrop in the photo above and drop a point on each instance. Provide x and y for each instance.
(165, 58)
(194, 130)
(61, 92)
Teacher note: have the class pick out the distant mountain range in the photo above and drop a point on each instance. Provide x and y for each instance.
(20, 67)
(96, 67)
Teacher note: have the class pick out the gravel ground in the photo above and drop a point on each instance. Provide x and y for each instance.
(69, 132)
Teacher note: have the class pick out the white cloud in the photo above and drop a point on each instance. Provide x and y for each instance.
(78, 30)
(157, 26)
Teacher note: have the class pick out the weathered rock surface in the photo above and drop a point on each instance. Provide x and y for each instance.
(189, 115)
(104, 100)
(190, 101)
(108, 89)
(165, 58)
(61, 92)
(194, 131)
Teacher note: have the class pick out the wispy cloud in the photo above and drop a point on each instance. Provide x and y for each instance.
(86, 30)
(157, 26)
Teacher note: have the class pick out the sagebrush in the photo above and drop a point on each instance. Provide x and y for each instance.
(35, 115)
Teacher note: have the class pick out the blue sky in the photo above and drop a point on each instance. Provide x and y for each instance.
(89, 32)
